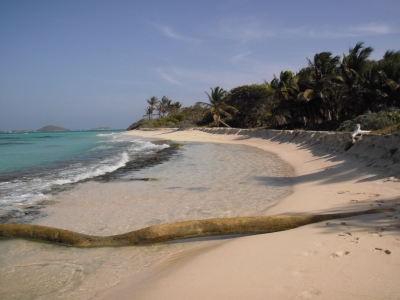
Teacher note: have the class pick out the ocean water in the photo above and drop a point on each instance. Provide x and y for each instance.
(34, 164)
(199, 181)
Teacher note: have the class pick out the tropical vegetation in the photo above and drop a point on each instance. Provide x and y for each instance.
(218, 105)
(330, 93)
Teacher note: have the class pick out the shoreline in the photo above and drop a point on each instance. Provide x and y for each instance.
(188, 187)
(349, 258)
(31, 212)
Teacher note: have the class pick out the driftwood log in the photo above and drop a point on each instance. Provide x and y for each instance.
(357, 130)
(172, 231)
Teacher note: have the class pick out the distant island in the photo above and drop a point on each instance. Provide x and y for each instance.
(52, 128)
(17, 131)
(101, 128)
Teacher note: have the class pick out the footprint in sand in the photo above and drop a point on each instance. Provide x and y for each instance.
(355, 240)
(339, 254)
(348, 234)
(337, 224)
(374, 234)
(380, 250)
(345, 234)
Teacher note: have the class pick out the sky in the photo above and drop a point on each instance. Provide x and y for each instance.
(82, 64)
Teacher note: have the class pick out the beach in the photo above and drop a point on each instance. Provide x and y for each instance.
(159, 184)
(351, 258)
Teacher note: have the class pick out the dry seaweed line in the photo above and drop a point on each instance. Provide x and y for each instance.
(173, 231)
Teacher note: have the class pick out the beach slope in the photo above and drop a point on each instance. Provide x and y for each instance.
(351, 258)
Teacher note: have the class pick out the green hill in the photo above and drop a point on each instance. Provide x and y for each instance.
(52, 128)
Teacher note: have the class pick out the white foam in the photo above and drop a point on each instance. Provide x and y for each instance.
(96, 171)
(30, 188)
(106, 134)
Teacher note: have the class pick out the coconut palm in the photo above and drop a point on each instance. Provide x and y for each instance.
(163, 106)
(149, 112)
(285, 97)
(174, 107)
(218, 105)
(323, 73)
(390, 64)
(352, 68)
(152, 106)
(390, 69)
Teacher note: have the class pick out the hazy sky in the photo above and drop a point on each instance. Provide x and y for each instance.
(84, 64)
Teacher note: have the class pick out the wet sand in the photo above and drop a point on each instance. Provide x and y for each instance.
(351, 258)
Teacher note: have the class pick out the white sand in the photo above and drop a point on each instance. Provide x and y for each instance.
(352, 258)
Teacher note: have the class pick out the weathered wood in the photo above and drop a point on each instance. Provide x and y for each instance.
(357, 130)
(172, 231)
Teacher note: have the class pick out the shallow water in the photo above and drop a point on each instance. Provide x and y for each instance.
(201, 181)
(33, 164)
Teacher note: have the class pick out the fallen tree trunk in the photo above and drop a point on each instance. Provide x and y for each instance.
(173, 231)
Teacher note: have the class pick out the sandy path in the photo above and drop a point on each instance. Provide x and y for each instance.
(353, 258)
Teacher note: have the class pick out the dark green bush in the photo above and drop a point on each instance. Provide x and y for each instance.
(373, 121)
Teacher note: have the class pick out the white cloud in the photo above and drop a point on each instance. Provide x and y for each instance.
(252, 72)
(372, 28)
(167, 75)
(248, 29)
(327, 32)
(240, 57)
(168, 32)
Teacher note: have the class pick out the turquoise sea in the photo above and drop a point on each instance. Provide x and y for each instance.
(34, 163)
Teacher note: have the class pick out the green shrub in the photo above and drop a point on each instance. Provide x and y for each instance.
(143, 123)
(373, 121)
(164, 122)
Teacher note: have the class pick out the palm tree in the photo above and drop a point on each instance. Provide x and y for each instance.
(389, 67)
(152, 102)
(218, 105)
(352, 68)
(163, 106)
(322, 75)
(149, 112)
(285, 96)
(174, 107)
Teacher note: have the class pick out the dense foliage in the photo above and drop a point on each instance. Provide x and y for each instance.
(374, 121)
(328, 91)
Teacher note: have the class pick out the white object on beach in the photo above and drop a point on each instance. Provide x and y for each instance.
(357, 130)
